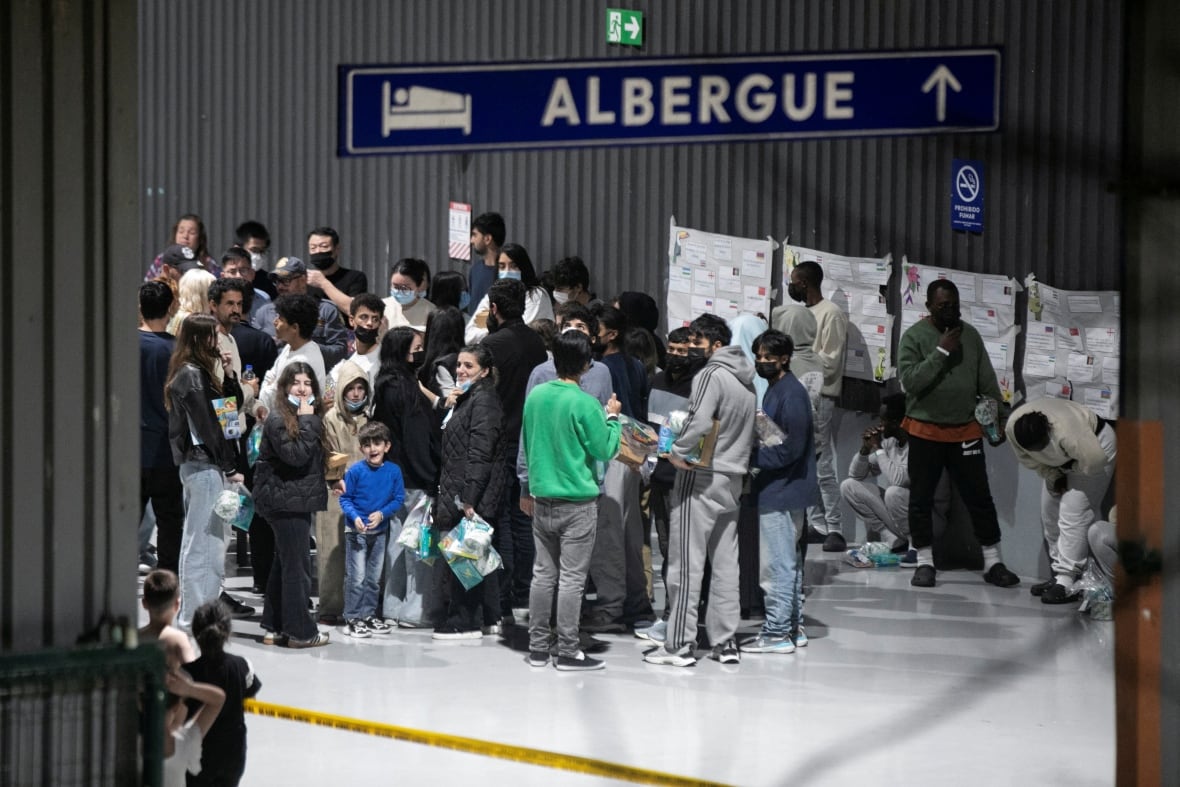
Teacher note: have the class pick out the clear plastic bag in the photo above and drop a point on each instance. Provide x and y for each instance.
(235, 505)
(468, 550)
(254, 444)
(417, 531)
(1097, 594)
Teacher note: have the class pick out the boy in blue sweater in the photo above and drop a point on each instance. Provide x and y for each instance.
(373, 492)
(785, 486)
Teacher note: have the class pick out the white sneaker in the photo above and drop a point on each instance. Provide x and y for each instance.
(656, 632)
(679, 658)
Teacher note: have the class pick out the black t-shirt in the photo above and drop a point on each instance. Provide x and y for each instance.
(224, 748)
(348, 281)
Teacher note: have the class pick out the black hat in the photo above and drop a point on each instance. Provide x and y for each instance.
(182, 258)
(288, 267)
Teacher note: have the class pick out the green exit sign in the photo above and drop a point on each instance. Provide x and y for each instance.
(624, 27)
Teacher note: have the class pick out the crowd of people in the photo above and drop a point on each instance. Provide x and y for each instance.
(502, 396)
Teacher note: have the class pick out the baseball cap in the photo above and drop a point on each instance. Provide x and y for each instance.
(182, 258)
(288, 267)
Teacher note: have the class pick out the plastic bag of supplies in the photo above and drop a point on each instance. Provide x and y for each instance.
(417, 534)
(468, 550)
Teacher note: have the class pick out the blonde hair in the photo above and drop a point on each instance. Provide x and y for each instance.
(194, 291)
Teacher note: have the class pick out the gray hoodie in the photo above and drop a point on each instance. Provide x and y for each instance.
(797, 321)
(723, 389)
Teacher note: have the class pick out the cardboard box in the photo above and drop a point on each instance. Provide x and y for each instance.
(708, 444)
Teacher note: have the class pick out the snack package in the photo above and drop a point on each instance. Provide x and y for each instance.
(637, 441)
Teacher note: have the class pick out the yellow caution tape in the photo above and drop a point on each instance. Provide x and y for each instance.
(503, 751)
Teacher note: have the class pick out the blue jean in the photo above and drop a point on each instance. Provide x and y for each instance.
(407, 579)
(202, 545)
(363, 555)
(781, 570)
(563, 532)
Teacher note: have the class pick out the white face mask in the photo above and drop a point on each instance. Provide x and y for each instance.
(259, 261)
(560, 297)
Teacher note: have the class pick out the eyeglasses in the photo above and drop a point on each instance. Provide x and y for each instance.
(402, 290)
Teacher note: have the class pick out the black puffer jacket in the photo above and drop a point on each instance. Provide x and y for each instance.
(413, 430)
(473, 466)
(289, 475)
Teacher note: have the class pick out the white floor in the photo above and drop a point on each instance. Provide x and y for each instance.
(961, 684)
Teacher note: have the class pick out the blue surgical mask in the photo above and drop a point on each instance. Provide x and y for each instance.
(403, 298)
(510, 275)
(464, 387)
(464, 300)
(294, 400)
(356, 407)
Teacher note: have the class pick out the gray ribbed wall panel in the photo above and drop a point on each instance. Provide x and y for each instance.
(239, 121)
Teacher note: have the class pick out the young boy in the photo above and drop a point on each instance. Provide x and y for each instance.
(564, 431)
(705, 499)
(374, 492)
(161, 599)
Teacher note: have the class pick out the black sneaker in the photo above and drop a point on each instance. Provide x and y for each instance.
(538, 658)
(727, 653)
(923, 577)
(900, 546)
(814, 536)
(601, 623)
(578, 662)
(377, 625)
(358, 630)
(236, 608)
(1060, 594)
(1041, 587)
(1000, 576)
(834, 542)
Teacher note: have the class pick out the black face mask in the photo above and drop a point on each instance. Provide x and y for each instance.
(417, 358)
(366, 335)
(797, 292)
(767, 370)
(696, 359)
(322, 260)
(677, 366)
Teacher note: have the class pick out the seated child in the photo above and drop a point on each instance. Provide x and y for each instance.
(161, 599)
(374, 491)
(224, 747)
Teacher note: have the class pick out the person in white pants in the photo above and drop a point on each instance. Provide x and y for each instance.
(883, 452)
(1073, 450)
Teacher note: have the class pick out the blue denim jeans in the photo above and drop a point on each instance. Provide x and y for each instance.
(363, 555)
(202, 545)
(781, 570)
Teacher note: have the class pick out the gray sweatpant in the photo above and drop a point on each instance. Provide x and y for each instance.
(704, 525)
(563, 531)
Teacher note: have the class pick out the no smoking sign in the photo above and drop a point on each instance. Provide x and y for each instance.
(967, 195)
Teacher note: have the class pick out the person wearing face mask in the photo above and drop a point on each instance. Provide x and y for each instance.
(254, 238)
(571, 283)
(784, 487)
(944, 368)
(342, 424)
(407, 304)
(337, 283)
(365, 320)
(415, 432)
(705, 499)
(831, 335)
(514, 263)
(449, 288)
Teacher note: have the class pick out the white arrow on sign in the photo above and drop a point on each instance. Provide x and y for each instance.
(632, 27)
(941, 78)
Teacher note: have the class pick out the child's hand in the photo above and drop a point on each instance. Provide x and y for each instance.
(338, 488)
(359, 524)
(178, 682)
(375, 519)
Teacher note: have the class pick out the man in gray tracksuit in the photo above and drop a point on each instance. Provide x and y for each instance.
(705, 498)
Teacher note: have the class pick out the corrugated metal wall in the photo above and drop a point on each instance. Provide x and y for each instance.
(239, 121)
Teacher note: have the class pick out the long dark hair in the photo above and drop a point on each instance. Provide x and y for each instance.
(614, 320)
(446, 288)
(284, 407)
(394, 349)
(485, 359)
(202, 250)
(195, 344)
(520, 257)
(444, 336)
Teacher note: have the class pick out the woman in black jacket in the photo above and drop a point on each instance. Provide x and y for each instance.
(207, 459)
(473, 472)
(415, 438)
(289, 488)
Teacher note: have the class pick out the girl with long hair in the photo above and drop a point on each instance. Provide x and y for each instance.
(514, 263)
(207, 458)
(289, 488)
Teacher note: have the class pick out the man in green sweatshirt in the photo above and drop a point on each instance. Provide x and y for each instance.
(563, 435)
(944, 368)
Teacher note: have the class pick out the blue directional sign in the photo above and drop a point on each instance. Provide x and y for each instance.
(967, 195)
(434, 108)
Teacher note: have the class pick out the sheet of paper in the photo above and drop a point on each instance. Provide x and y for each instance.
(855, 361)
(1040, 365)
(874, 306)
(702, 305)
(1070, 338)
(909, 317)
(997, 291)
(983, 318)
(842, 300)
(704, 282)
(1103, 401)
(966, 284)
(1050, 297)
(1110, 370)
(722, 249)
(997, 352)
(1058, 389)
(754, 263)
(1041, 338)
(837, 269)
(1085, 304)
(875, 334)
(726, 308)
(1081, 368)
(872, 273)
(754, 299)
(680, 279)
(694, 252)
(729, 280)
(1102, 340)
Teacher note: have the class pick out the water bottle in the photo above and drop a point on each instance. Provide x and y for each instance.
(248, 375)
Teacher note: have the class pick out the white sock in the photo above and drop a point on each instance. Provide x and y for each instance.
(1066, 581)
(991, 556)
(926, 556)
